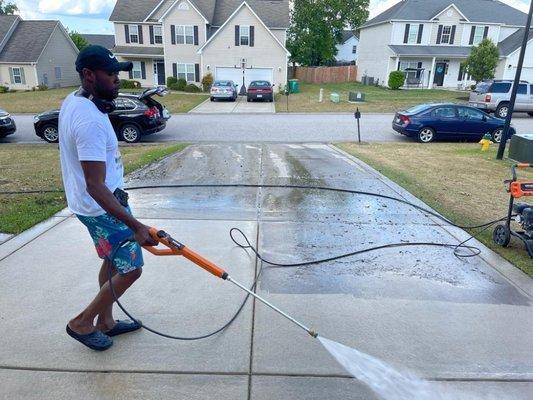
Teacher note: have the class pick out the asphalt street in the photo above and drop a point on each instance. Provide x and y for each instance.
(463, 324)
(272, 128)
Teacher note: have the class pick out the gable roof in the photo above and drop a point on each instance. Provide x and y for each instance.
(28, 41)
(274, 13)
(107, 41)
(6, 22)
(513, 42)
(487, 11)
(347, 35)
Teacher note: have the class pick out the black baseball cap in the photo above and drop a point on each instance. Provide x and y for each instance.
(98, 57)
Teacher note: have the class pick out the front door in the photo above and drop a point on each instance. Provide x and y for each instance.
(159, 70)
(440, 70)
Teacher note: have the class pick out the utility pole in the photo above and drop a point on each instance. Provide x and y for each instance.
(505, 134)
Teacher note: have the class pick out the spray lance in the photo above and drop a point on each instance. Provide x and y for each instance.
(175, 248)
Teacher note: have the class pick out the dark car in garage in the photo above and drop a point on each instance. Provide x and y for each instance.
(7, 124)
(136, 115)
(429, 122)
(260, 90)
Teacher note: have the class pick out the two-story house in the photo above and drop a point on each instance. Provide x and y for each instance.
(229, 39)
(430, 39)
(34, 53)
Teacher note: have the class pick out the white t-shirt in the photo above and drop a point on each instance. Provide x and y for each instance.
(86, 134)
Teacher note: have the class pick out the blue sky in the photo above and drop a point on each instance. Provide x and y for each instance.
(91, 16)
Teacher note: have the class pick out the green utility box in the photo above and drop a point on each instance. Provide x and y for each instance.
(521, 148)
(335, 98)
(294, 85)
(356, 97)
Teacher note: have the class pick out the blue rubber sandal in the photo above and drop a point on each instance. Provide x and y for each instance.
(95, 340)
(124, 327)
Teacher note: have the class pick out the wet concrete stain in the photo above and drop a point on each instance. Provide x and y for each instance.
(303, 224)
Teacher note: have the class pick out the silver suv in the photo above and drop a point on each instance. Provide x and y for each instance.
(495, 95)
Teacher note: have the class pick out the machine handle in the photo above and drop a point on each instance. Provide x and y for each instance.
(175, 248)
(521, 166)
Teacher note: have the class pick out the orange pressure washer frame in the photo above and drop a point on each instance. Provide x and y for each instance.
(518, 188)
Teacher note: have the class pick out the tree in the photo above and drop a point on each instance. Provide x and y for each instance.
(78, 40)
(317, 25)
(483, 60)
(8, 8)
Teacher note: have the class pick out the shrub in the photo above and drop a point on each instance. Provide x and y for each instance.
(192, 88)
(171, 81)
(396, 79)
(207, 82)
(181, 84)
(42, 87)
(174, 86)
(129, 84)
(4, 89)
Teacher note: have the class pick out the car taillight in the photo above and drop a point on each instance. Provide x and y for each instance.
(405, 119)
(488, 98)
(152, 112)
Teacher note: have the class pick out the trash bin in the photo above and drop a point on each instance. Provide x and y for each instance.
(335, 98)
(294, 85)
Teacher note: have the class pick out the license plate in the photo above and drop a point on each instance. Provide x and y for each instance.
(259, 96)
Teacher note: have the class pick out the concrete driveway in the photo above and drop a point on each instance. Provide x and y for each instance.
(464, 324)
(240, 106)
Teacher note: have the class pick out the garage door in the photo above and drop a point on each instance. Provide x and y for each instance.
(250, 74)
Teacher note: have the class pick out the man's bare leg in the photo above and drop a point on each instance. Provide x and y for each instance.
(84, 323)
(105, 320)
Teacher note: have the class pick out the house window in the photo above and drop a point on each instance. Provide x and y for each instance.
(17, 75)
(478, 35)
(184, 34)
(244, 33)
(446, 34)
(186, 71)
(410, 68)
(134, 33)
(413, 34)
(158, 35)
(58, 72)
(354, 49)
(136, 71)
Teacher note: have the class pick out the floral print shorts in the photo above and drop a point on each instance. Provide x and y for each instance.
(107, 232)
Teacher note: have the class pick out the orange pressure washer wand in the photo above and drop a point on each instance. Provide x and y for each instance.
(175, 248)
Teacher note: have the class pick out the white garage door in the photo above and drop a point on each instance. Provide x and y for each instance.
(250, 74)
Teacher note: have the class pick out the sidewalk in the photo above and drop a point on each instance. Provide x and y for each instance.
(465, 323)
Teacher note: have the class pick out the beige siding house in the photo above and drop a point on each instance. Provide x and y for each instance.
(430, 39)
(36, 53)
(229, 39)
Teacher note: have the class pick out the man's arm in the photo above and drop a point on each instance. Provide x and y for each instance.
(94, 172)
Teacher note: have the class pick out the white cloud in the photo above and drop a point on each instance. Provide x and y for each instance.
(75, 7)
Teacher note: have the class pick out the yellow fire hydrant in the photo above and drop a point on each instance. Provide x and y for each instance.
(486, 142)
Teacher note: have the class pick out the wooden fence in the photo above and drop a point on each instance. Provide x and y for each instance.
(346, 73)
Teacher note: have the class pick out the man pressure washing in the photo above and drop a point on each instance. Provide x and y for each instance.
(92, 171)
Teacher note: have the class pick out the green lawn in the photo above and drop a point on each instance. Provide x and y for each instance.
(37, 168)
(39, 101)
(378, 99)
(456, 179)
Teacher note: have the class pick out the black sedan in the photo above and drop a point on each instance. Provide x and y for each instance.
(428, 122)
(7, 124)
(136, 115)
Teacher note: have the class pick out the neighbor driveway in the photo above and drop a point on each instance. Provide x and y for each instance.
(240, 106)
(462, 323)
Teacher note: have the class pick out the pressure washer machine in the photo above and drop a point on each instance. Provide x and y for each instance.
(521, 213)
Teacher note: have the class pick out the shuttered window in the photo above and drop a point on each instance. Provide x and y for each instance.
(244, 35)
(413, 34)
(184, 34)
(187, 72)
(158, 35)
(17, 75)
(479, 33)
(137, 70)
(134, 33)
(446, 34)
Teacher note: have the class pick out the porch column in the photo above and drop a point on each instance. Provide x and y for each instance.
(432, 74)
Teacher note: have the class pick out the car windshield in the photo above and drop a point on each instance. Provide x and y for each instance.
(260, 84)
(222, 83)
(419, 108)
(482, 87)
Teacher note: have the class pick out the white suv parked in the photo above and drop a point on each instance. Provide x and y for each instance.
(495, 95)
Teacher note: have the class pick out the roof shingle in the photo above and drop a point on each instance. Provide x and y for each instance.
(107, 41)
(513, 42)
(28, 41)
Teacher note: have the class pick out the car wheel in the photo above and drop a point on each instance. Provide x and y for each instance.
(212, 99)
(426, 135)
(497, 135)
(248, 99)
(271, 99)
(502, 110)
(502, 235)
(50, 133)
(130, 133)
(530, 114)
